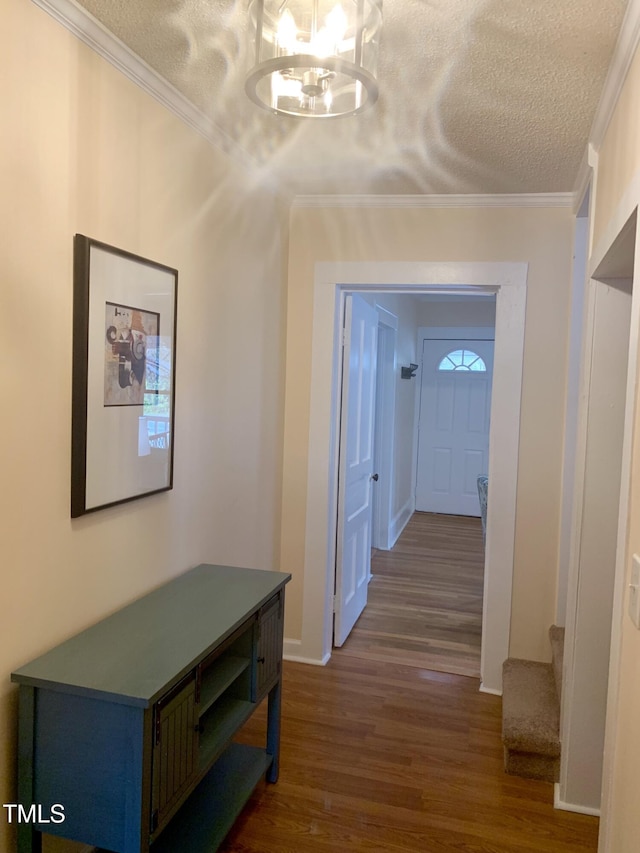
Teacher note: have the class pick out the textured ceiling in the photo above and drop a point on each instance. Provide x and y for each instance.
(476, 96)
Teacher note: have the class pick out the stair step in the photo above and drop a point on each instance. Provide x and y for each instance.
(556, 637)
(530, 720)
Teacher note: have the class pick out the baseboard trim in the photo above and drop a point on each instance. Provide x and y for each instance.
(399, 522)
(489, 690)
(293, 651)
(571, 807)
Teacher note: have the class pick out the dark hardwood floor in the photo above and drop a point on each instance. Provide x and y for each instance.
(425, 598)
(384, 754)
(388, 758)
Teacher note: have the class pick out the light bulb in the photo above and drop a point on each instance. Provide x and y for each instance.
(287, 32)
(337, 23)
(323, 44)
(328, 40)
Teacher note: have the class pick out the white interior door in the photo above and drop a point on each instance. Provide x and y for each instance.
(355, 478)
(453, 431)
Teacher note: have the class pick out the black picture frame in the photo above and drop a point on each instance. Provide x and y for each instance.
(123, 381)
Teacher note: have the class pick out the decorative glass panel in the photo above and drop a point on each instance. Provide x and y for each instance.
(463, 359)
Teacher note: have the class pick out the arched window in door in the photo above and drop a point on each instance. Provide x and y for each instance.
(463, 359)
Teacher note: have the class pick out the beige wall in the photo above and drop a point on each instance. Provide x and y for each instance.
(83, 150)
(541, 237)
(618, 165)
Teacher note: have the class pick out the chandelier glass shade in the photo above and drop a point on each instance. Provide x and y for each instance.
(315, 58)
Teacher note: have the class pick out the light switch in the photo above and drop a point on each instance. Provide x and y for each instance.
(634, 591)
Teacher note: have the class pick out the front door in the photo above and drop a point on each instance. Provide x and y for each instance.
(453, 431)
(355, 477)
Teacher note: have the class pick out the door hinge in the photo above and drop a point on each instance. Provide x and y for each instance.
(334, 603)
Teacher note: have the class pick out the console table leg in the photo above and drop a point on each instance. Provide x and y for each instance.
(29, 839)
(273, 731)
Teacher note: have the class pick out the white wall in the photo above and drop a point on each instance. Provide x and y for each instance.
(83, 150)
(461, 311)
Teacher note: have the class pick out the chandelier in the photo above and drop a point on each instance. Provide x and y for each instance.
(314, 58)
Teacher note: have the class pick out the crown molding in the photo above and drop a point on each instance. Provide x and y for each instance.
(583, 179)
(95, 35)
(623, 54)
(621, 59)
(451, 200)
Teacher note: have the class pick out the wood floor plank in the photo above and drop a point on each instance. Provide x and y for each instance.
(425, 598)
(391, 748)
(388, 757)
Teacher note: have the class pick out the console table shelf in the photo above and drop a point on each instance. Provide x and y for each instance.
(225, 674)
(230, 715)
(129, 725)
(197, 827)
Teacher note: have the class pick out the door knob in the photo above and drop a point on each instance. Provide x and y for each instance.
(374, 477)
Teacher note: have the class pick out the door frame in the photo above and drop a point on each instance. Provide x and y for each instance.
(508, 280)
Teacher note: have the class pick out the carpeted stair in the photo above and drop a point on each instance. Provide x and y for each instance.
(531, 713)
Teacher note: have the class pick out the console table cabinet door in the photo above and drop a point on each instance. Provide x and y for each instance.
(175, 752)
(269, 660)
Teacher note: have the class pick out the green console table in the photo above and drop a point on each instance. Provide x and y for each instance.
(128, 727)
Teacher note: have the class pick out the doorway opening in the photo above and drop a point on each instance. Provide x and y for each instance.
(420, 592)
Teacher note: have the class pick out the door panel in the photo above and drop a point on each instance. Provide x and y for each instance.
(175, 754)
(453, 435)
(478, 408)
(442, 469)
(269, 646)
(473, 462)
(353, 552)
(444, 404)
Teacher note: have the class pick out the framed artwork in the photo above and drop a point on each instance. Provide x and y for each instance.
(123, 388)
